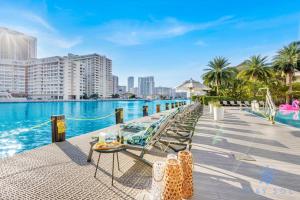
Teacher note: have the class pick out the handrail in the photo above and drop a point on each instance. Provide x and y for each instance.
(271, 108)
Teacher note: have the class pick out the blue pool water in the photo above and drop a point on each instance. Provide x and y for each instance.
(17, 120)
(291, 118)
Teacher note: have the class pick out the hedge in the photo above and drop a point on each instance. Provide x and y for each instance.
(294, 94)
(206, 99)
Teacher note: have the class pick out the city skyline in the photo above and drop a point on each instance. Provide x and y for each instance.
(153, 38)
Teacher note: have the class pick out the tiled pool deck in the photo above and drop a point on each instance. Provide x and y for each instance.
(60, 171)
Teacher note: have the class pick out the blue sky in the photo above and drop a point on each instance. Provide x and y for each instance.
(170, 39)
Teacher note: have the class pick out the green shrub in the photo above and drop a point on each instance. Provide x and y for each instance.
(206, 99)
(294, 94)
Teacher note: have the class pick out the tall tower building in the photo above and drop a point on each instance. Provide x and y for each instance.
(98, 74)
(16, 46)
(115, 84)
(146, 86)
(15, 50)
(130, 84)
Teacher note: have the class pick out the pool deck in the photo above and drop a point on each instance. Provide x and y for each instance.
(60, 171)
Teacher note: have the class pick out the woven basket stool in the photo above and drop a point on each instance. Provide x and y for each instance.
(186, 161)
(157, 180)
(172, 180)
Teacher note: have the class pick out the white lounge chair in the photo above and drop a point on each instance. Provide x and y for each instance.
(240, 103)
(225, 103)
(261, 103)
(247, 103)
(232, 103)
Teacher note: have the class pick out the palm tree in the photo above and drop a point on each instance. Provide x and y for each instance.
(256, 69)
(218, 72)
(287, 61)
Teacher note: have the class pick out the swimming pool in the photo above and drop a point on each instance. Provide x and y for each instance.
(291, 118)
(17, 120)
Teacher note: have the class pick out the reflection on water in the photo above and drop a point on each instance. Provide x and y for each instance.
(17, 118)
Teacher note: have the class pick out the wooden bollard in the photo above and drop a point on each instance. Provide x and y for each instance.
(58, 126)
(167, 106)
(119, 115)
(172, 105)
(145, 111)
(158, 108)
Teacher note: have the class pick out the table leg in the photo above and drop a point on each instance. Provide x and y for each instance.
(90, 153)
(97, 165)
(118, 161)
(113, 167)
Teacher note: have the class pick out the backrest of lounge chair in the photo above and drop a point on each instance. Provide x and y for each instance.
(160, 127)
(225, 102)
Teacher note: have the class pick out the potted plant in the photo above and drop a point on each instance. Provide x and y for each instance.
(210, 105)
(255, 106)
(218, 111)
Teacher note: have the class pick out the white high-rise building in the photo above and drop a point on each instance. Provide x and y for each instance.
(98, 74)
(13, 77)
(16, 46)
(46, 78)
(69, 77)
(15, 50)
(115, 84)
(130, 84)
(164, 91)
(146, 86)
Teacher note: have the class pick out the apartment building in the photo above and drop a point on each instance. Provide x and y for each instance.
(46, 78)
(69, 77)
(98, 74)
(130, 84)
(15, 50)
(146, 86)
(13, 76)
(115, 84)
(16, 46)
(164, 91)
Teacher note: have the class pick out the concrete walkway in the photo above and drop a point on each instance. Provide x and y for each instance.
(275, 173)
(60, 171)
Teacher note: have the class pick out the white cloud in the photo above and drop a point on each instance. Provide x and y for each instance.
(133, 32)
(66, 43)
(39, 20)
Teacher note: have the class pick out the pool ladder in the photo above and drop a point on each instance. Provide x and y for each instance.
(270, 108)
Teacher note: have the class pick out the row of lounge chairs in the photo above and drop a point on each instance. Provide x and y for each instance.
(239, 103)
(172, 131)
